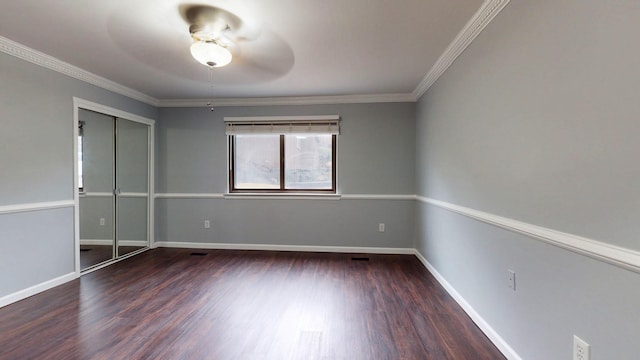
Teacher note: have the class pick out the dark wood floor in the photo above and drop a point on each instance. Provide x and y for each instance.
(169, 304)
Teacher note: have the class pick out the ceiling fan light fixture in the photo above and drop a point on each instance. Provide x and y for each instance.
(211, 54)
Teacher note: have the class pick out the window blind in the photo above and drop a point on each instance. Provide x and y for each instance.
(262, 125)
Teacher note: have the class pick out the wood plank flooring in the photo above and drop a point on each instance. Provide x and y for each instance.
(170, 304)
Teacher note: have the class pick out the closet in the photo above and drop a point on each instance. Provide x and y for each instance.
(114, 192)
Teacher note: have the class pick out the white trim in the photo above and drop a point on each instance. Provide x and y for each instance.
(379, 197)
(133, 195)
(95, 194)
(495, 338)
(90, 242)
(108, 242)
(76, 191)
(290, 196)
(281, 196)
(267, 119)
(300, 248)
(108, 194)
(20, 51)
(9, 209)
(484, 15)
(113, 261)
(151, 181)
(30, 291)
(274, 125)
(480, 20)
(133, 243)
(78, 104)
(189, 196)
(291, 100)
(107, 110)
(476, 24)
(612, 254)
(619, 256)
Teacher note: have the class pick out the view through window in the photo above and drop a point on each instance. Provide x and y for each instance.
(281, 163)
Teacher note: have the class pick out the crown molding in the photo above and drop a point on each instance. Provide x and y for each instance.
(290, 100)
(20, 51)
(487, 12)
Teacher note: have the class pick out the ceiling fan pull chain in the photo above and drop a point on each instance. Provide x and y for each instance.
(210, 103)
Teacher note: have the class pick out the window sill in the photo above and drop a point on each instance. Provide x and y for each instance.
(281, 196)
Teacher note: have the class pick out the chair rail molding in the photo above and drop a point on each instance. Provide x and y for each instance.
(612, 254)
(49, 205)
(281, 196)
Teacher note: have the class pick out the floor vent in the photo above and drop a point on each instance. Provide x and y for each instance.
(198, 254)
(85, 250)
(360, 258)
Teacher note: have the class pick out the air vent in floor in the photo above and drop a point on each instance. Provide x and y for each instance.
(360, 258)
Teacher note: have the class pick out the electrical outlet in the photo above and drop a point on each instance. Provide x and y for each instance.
(101, 221)
(512, 280)
(207, 224)
(381, 227)
(580, 349)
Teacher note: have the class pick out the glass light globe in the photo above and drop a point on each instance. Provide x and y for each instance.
(210, 54)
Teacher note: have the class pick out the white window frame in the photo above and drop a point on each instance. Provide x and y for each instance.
(282, 125)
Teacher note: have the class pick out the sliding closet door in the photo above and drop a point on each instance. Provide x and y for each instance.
(96, 162)
(132, 186)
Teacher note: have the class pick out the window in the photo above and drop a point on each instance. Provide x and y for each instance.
(80, 155)
(282, 154)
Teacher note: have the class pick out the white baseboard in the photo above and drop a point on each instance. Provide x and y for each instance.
(113, 261)
(132, 243)
(302, 248)
(23, 294)
(103, 242)
(495, 338)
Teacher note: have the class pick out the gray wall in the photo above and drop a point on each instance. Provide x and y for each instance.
(35, 247)
(36, 158)
(537, 121)
(376, 155)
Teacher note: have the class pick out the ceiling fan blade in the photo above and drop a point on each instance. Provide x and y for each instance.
(223, 23)
(267, 58)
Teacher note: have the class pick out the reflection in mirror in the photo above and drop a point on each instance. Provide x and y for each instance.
(95, 162)
(113, 186)
(132, 178)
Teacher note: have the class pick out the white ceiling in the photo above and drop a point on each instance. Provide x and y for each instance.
(304, 47)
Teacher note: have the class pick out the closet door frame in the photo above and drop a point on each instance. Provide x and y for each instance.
(78, 104)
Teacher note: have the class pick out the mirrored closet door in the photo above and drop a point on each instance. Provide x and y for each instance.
(113, 180)
(132, 184)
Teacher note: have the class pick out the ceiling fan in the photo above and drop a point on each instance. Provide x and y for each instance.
(215, 32)
(227, 37)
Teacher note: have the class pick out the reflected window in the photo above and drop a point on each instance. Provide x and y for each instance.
(80, 156)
